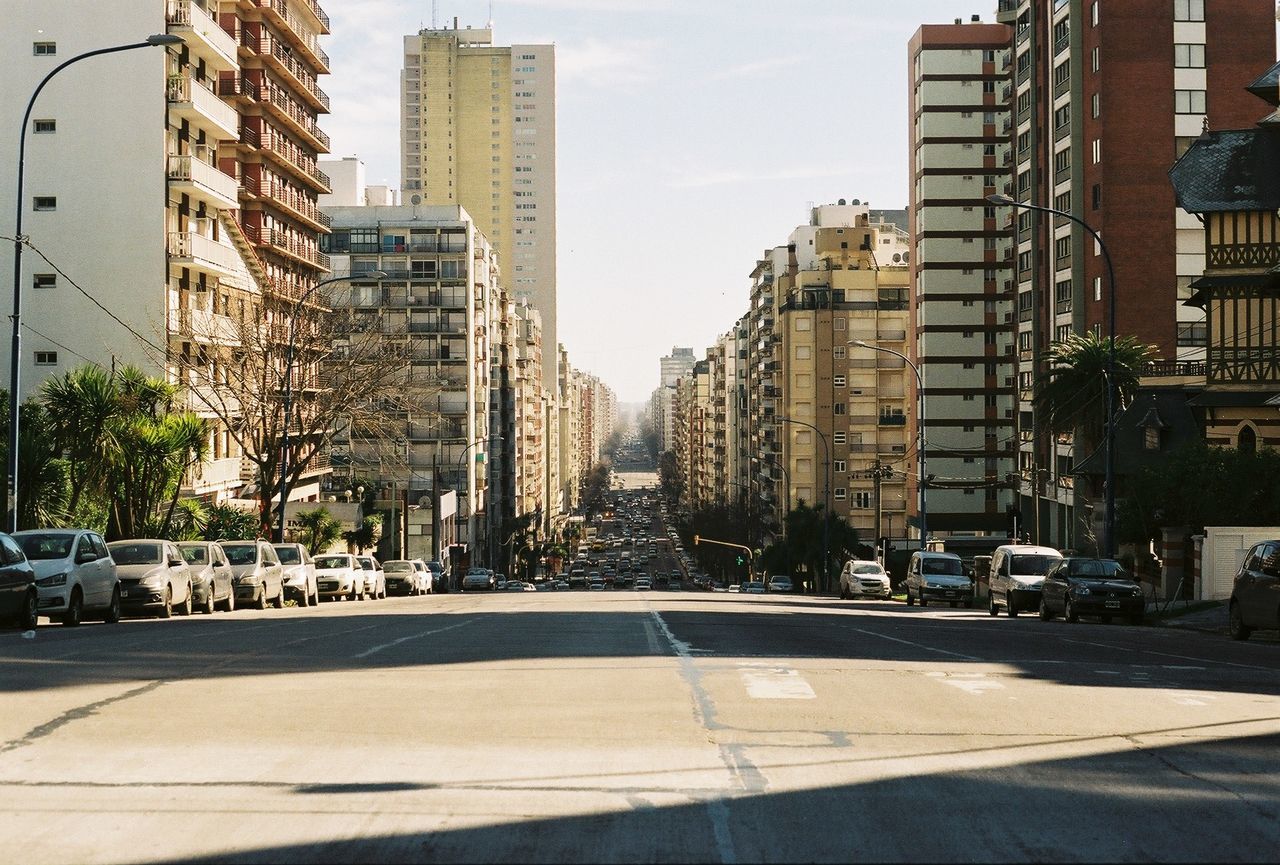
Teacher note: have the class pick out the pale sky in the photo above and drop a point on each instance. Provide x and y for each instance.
(692, 136)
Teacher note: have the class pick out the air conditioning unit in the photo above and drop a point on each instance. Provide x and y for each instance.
(424, 501)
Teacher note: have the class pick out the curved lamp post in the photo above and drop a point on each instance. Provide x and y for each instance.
(461, 457)
(15, 360)
(924, 477)
(288, 386)
(826, 509)
(1109, 480)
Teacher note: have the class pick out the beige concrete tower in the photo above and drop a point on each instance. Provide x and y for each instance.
(478, 130)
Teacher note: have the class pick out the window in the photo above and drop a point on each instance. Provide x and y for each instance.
(44, 202)
(1095, 105)
(1188, 10)
(1093, 13)
(1193, 333)
(1188, 55)
(838, 408)
(839, 466)
(1094, 59)
(1097, 150)
(839, 493)
(1062, 292)
(1062, 333)
(1189, 102)
(46, 358)
(1097, 288)
(44, 49)
(1062, 72)
(838, 437)
(861, 499)
(1062, 160)
(838, 381)
(1062, 116)
(44, 127)
(1062, 247)
(44, 280)
(1063, 201)
(838, 352)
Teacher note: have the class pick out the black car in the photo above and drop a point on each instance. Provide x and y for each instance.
(1079, 586)
(1255, 594)
(19, 598)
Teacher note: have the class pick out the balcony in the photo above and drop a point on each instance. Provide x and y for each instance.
(203, 182)
(205, 39)
(280, 242)
(282, 61)
(214, 475)
(297, 205)
(283, 107)
(298, 34)
(193, 100)
(208, 328)
(194, 250)
(297, 161)
(893, 420)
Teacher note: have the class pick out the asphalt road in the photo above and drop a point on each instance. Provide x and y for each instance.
(629, 726)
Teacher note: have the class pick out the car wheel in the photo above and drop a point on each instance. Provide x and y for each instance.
(208, 602)
(75, 609)
(304, 600)
(29, 615)
(992, 609)
(185, 609)
(112, 614)
(1010, 608)
(231, 599)
(278, 603)
(967, 603)
(315, 598)
(1235, 623)
(166, 611)
(1045, 615)
(911, 602)
(1069, 612)
(260, 598)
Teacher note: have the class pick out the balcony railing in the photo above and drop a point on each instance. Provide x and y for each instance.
(190, 169)
(214, 472)
(284, 59)
(279, 98)
(188, 244)
(197, 25)
(185, 90)
(1166, 368)
(297, 30)
(893, 420)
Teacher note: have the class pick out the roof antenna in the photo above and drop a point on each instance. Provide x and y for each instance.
(489, 23)
(434, 11)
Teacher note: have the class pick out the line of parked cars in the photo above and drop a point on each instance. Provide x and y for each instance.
(69, 575)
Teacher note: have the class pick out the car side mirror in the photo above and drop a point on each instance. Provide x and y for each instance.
(176, 563)
(86, 557)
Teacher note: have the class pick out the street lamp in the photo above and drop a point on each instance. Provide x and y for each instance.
(15, 360)
(826, 509)
(924, 477)
(1109, 480)
(288, 385)
(461, 457)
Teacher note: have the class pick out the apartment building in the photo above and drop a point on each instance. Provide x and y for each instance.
(440, 300)
(570, 422)
(962, 272)
(1105, 97)
(530, 445)
(672, 368)
(478, 130)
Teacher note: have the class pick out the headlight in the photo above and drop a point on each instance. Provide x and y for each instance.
(1080, 590)
(153, 581)
(51, 581)
(247, 579)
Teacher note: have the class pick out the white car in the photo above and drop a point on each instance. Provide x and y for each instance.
(154, 577)
(403, 577)
(339, 575)
(859, 578)
(257, 573)
(427, 576)
(477, 579)
(75, 574)
(375, 581)
(299, 574)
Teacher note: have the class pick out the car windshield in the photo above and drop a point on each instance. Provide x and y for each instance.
(867, 569)
(1098, 569)
(333, 562)
(365, 562)
(47, 546)
(397, 567)
(949, 567)
(194, 555)
(1032, 565)
(289, 555)
(134, 554)
(241, 554)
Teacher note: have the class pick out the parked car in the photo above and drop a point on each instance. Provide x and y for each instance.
(256, 572)
(779, 583)
(154, 577)
(1017, 572)
(642, 584)
(402, 578)
(1078, 586)
(937, 576)
(1255, 593)
(479, 579)
(439, 582)
(860, 579)
(299, 574)
(426, 576)
(339, 575)
(375, 581)
(753, 587)
(19, 596)
(210, 575)
(75, 573)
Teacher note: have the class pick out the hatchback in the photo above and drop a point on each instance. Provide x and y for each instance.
(339, 575)
(210, 575)
(154, 577)
(375, 581)
(403, 578)
(1080, 586)
(257, 572)
(19, 597)
(299, 574)
(1255, 593)
(75, 573)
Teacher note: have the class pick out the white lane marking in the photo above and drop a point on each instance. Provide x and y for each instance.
(1190, 698)
(719, 813)
(776, 684)
(916, 645)
(976, 687)
(377, 649)
(681, 648)
(1171, 655)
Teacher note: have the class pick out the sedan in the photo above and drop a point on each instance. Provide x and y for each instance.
(299, 574)
(210, 575)
(154, 577)
(780, 583)
(339, 575)
(1079, 586)
(755, 587)
(19, 597)
(402, 578)
(75, 573)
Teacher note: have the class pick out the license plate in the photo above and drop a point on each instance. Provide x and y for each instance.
(1112, 605)
(951, 594)
(124, 593)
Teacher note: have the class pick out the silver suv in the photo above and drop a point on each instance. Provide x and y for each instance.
(256, 573)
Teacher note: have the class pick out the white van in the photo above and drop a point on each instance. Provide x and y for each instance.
(1017, 576)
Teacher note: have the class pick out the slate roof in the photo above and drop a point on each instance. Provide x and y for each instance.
(1230, 170)
(1169, 409)
(1267, 86)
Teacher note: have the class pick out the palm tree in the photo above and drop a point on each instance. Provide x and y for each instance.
(191, 434)
(43, 481)
(82, 404)
(319, 529)
(1072, 397)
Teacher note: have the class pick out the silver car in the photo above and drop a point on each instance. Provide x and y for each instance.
(257, 573)
(210, 575)
(299, 574)
(75, 574)
(403, 578)
(154, 577)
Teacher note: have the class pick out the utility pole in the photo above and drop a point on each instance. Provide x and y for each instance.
(880, 472)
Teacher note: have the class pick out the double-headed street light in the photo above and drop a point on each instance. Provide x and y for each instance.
(924, 477)
(1109, 479)
(15, 361)
(288, 385)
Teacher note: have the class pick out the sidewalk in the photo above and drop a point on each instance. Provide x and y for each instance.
(1211, 621)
